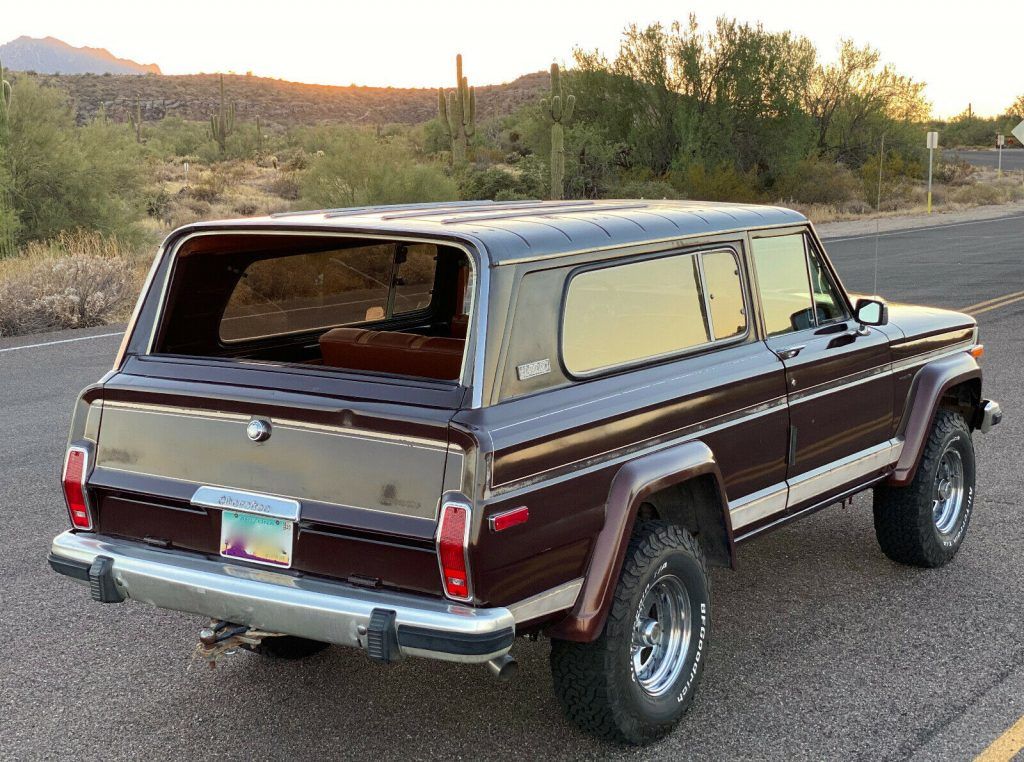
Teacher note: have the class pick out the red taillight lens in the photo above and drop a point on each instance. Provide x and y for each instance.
(76, 467)
(452, 538)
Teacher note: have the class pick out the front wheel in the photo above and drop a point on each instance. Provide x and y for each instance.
(924, 523)
(636, 681)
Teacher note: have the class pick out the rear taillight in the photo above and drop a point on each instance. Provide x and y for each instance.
(452, 542)
(76, 468)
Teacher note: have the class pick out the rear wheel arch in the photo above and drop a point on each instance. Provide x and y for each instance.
(681, 484)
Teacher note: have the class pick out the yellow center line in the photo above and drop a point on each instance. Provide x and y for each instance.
(994, 299)
(997, 305)
(1006, 747)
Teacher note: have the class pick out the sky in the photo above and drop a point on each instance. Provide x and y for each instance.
(963, 57)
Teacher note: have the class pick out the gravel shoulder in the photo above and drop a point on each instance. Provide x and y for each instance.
(869, 226)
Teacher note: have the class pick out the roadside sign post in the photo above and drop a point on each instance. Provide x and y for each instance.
(1000, 139)
(933, 143)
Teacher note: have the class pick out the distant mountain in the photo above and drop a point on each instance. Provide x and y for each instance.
(275, 101)
(52, 56)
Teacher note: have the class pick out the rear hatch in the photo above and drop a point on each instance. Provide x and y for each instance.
(367, 476)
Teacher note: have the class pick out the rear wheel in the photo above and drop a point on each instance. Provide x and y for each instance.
(924, 523)
(636, 681)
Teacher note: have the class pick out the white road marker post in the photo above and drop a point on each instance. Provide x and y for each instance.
(1000, 139)
(933, 143)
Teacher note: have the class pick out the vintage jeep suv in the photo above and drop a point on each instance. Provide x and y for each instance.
(423, 430)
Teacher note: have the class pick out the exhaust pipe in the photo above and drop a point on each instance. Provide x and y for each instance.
(503, 667)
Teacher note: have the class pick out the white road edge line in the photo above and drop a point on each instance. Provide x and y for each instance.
(908, 231)
(62, 341)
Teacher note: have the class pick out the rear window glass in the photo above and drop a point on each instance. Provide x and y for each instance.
(618, 315)
(306, 292)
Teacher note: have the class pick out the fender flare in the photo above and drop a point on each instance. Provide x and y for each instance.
(632, 484)
(930, 384)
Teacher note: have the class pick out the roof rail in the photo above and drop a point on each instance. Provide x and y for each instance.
(496, 205)
(403, 207)
(539, 212)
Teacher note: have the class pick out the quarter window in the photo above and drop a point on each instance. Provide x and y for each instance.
(725, 294)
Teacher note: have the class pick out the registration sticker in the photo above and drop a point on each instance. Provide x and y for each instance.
(259, 539)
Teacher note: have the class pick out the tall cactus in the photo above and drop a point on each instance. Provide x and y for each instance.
(5, 96)
(222, 124)
(559, 110)
(457, 111)
(135, 118)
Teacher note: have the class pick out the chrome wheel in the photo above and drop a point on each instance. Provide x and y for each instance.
(661, 635)
(948, 499)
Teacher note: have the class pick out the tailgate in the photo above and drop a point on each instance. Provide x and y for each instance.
(368, 494)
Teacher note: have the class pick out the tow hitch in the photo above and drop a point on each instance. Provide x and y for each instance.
(221, 638)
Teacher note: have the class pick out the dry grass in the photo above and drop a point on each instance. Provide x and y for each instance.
(75, 281)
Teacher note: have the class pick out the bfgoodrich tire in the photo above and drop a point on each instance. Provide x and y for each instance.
(924, 523)
(636, 681)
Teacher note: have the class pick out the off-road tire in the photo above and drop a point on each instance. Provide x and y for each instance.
(904, 520)
(595, 681)
(289, 647)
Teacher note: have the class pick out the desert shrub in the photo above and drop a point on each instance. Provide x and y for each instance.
(900, 175)
(356, 168)
(984, 194)
(158, 204)
(508, 183)
(648, 189)
(955, 172)
(173, 136)
(285, 185)
(813, 181)
(724, 183)
(76, 280)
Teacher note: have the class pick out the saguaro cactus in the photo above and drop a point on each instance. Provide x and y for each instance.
(457, 111)
(135, 118)
(559, 110)
(222, 124)
(5, 96)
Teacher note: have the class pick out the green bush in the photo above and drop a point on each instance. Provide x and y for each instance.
(813, 181)
(722, 183)
(899, 176)
(60, 177)
(351, 167)
(501, 183)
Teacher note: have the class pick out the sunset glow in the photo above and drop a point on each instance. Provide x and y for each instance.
(966, 58)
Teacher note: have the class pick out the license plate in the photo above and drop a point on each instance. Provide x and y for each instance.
(259, 539)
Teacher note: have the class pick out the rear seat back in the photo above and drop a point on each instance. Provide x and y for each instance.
(393, 352)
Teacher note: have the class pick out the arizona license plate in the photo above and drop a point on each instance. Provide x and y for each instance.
(253, 527)
(260, 539)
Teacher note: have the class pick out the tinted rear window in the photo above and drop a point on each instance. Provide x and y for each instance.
(306, 292)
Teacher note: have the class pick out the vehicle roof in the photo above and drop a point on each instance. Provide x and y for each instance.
(518, 230)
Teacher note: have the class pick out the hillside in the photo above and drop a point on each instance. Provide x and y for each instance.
(48, 55)
(276, 101)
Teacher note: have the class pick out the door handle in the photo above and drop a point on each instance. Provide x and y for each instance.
(788, 353)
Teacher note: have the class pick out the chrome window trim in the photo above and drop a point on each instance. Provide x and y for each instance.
(698, 252)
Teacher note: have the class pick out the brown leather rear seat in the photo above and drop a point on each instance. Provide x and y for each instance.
(392, 352)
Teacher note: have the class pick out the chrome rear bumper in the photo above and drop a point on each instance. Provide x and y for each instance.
(331, 612)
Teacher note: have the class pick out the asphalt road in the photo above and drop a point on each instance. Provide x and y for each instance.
(821, 648)
(1013, 158)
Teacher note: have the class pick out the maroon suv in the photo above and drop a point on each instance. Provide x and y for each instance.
(424, 430)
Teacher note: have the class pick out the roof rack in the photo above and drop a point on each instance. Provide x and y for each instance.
(539, 212)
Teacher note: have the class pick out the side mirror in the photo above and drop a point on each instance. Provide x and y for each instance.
(871, 312)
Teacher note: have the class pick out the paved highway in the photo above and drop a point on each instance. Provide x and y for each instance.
(822, 647)
(1013, 158)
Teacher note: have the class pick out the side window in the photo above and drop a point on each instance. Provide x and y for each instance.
(828, 305)
(782, 280)
(725, 294)
(618, 315)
